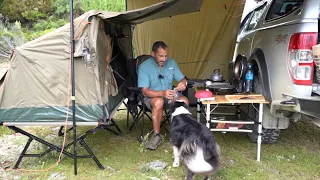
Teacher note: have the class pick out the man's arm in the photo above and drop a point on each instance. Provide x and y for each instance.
(151, 93)
(182, 84)
(179, 77)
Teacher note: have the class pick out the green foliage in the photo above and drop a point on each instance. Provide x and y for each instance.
(27, 10)
(31, 35)
(39, 17)
(1, 1)
(11, 35)
(61, 9)
(41, 27)
(106, 5)
(5, 131)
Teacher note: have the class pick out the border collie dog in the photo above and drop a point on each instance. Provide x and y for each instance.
(193, 142)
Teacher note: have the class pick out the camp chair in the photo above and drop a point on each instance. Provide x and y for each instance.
(135, 100)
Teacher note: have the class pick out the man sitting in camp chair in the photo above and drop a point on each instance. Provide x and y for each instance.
(155, 78)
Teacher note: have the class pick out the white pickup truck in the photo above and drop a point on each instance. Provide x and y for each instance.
(277, 39)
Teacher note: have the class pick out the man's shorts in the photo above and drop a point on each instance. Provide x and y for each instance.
(147, 102)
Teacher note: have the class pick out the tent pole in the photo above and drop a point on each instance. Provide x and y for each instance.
(73, 89)
(126, 5)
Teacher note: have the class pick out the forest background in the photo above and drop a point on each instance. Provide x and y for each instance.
(24, 20)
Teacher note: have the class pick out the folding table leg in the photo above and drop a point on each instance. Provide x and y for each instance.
(198, 110)
(259, 130)
(208, 116)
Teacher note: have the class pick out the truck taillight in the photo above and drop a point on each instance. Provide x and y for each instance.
(300, 61)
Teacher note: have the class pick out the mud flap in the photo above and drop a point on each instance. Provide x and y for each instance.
(283, 111)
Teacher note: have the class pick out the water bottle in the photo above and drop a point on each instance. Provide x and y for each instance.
(249, 80)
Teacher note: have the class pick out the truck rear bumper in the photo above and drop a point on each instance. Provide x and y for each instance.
(305, 105)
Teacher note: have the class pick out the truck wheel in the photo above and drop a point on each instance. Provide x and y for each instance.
(268, 136)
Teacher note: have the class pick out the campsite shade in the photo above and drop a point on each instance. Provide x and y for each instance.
(36, 85)
(199, 42)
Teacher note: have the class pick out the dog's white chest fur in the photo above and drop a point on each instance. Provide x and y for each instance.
(197, 164)
(179, 111)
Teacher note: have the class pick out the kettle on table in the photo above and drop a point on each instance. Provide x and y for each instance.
(216, 76)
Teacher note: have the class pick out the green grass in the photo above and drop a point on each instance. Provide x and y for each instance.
(5, 131)
(294, 156)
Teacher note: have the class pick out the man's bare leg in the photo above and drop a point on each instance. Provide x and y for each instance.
(157, 113)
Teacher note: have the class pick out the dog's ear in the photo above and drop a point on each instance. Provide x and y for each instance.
(187, 107)
(175, 104)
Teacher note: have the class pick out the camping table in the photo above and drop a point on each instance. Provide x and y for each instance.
(234, 99)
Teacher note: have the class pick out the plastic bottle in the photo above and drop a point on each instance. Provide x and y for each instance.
(249, 80)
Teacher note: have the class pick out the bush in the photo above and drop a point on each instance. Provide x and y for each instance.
(27, 10)
(39, 17)
(106, 5)
(11, 35)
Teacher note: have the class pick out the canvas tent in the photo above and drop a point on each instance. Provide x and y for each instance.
(35, 88)
(199, 42)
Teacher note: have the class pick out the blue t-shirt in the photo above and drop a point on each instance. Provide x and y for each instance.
(149, 71)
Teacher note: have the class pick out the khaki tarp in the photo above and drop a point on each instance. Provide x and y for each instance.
(199, 42)
(35, 87)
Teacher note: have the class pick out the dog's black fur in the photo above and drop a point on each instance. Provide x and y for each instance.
(188, 135)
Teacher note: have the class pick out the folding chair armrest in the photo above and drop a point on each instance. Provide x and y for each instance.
(136, 89)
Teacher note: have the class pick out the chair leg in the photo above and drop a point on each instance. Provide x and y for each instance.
(127, 119)
(166, 119)
(135, 118)
(110, 122)
(144, 113)
(124, 105)
(141, 117)
(147, 115)
(117, 127)
(141, 136)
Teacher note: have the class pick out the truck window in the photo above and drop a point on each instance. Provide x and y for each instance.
(255, 18)
(245, 22)
(281, 8)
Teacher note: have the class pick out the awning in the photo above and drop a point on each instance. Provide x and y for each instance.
(160, 10)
